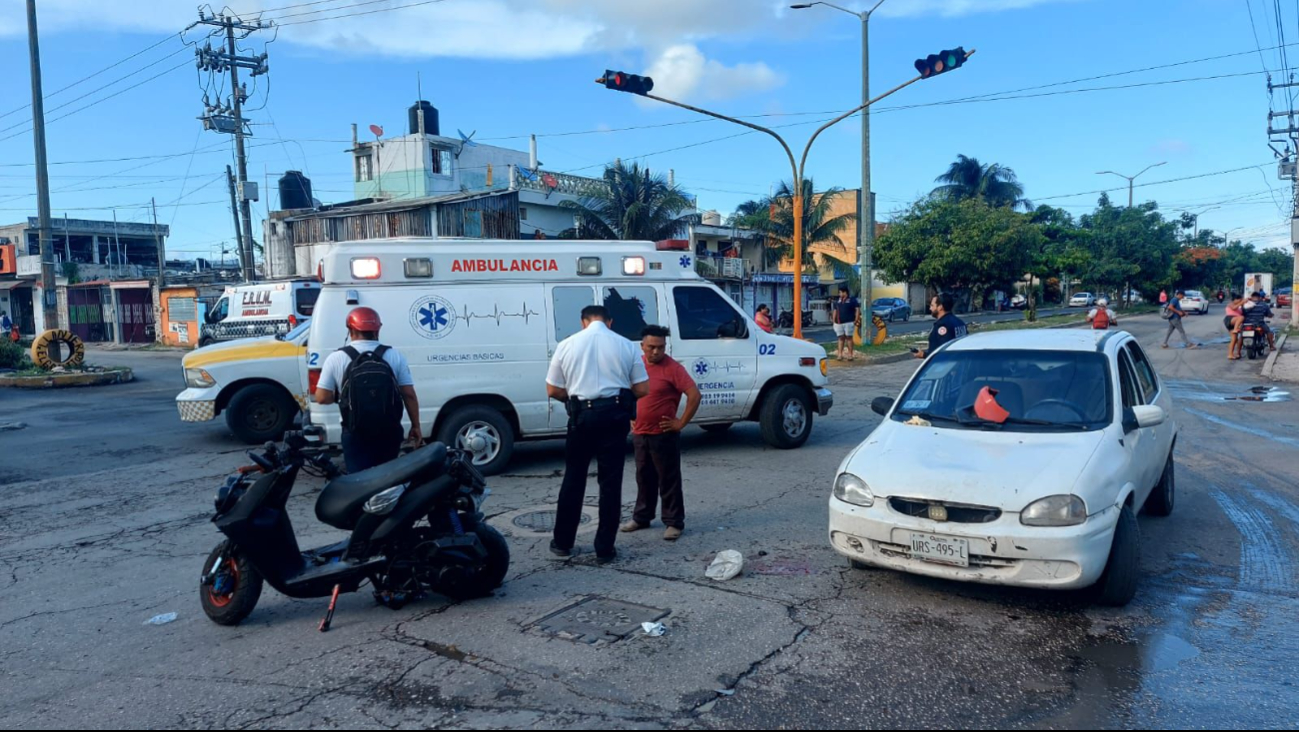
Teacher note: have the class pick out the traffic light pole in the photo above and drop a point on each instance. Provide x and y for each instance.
(797, 168)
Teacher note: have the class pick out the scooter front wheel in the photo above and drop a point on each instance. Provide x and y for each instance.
(490, 574)
(230, 585)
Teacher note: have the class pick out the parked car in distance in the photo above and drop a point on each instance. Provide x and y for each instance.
(891, 309)
(1082, 300)
(1195, 302)
(1014, 458)
(1018, 302)
(1284, 296)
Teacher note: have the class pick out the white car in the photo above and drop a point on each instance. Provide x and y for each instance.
(1082, 300)
(1046, 498)
(1195, 302)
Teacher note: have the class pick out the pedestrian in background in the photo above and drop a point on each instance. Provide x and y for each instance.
(656, 435)
(598, 375)
(763, 318)
(947, 327)
(370, 382)
(1163, 298)
(1101, 317)
(1175, 314)
(845, 313)
(1232, 319)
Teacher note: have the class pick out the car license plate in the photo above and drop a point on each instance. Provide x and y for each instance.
(940, 549)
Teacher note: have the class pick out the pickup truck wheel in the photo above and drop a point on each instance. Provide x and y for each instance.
(786, 417)
(483, 431)
(717, 428)
(1118, 585)
(260, 412)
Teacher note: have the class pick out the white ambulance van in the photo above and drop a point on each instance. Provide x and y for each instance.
(259, 309)
(478, 320)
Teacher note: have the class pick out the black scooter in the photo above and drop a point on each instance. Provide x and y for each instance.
(417, 526)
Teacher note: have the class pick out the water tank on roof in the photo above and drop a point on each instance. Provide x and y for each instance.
(430, 118)
(712, 218)
(295, 190)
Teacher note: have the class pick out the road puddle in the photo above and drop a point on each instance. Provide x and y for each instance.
(1201, 392)
(1262, 394)
(1149, 654)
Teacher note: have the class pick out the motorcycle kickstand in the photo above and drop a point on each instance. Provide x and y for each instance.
(329, 614)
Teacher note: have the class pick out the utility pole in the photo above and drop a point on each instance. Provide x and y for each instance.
(239, 234)
(162, 253)
(228, 117)
(866, 200)
(1131, 178)
(49, 294)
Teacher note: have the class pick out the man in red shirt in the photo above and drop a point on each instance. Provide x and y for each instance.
(656, 434)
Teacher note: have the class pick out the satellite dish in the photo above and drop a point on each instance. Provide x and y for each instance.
(377, 130)
(467, 139)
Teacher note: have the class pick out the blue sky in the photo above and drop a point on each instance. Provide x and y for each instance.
(507, 68)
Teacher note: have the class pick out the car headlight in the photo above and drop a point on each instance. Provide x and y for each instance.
(199, 378)
(851, 489)
(1054, 511)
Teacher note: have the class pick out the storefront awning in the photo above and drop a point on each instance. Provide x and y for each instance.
(13, 284)
(784, 279)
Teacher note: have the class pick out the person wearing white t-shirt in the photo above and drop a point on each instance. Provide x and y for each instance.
(379, 439)
(597, 374)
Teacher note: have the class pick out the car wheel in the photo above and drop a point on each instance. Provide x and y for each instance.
(717, 428)
(260, 412)
(1162, 498)
(786, 417)
(891, 313)
(1118, 585)
(484, 432)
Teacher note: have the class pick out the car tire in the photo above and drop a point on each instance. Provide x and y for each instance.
(487, 423)
(204, 342)
(1118, 584)
(717, 428)
(260, 412)
(786, 417)
(1164, 495)
(891, 314)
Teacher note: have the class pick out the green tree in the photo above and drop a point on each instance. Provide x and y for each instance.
(995, 184)
(1129, 247)
(962, 246)
(822, 228)
(1280, 263)
(632, 204)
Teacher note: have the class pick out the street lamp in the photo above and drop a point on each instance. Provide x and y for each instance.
(641, 85)
(866, 218)
(1131, 178)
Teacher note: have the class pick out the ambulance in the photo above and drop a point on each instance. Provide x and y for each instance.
(259, 384)
(259, 309)
(478, 321)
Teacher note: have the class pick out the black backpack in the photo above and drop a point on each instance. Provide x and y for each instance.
(369, 398)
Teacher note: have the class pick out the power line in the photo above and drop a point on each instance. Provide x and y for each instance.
(1153, 183)
(367, 12)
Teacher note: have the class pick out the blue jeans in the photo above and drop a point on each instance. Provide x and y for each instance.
(365, 451)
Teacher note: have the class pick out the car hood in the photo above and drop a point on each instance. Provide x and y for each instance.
(1007, 470)
(239, 350)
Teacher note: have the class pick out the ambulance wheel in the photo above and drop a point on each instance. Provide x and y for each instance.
(786, 417)
(204, 342)
(484, 432)
(259, 413)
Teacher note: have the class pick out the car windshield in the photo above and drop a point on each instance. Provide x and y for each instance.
(1195, 294)
(883, 302)
(298, 330)
(1041, 390)
(1083, 294)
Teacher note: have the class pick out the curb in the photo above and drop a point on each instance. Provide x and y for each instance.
(1270, 364)
(61, 381)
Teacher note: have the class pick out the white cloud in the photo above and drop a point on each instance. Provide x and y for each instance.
(682, 72)
(956, 8)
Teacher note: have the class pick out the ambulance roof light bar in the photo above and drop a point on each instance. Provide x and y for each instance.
(671, 245)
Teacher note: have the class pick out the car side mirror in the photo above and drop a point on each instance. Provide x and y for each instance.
(1146, 415)
(882, 405)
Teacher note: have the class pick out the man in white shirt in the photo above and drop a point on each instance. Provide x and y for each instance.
(370, 391)
(598, 375)
(1101, 317)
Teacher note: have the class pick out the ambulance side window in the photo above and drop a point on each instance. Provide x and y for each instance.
(306, 301)
(219, 311)
(632, 308)
(703, 314)
(568, 302)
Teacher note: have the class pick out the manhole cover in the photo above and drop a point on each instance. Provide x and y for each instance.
(599, 619)
(543, 521)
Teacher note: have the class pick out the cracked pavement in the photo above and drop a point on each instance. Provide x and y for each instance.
(104, 526)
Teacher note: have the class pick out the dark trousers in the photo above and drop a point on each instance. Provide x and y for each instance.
(366, 450)
(658, 473)
(600, 434)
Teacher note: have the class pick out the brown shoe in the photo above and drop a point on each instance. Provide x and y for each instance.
(672, 534)
(631, 526)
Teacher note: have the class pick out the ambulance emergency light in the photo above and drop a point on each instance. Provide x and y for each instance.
(365, 268)
(633, 266)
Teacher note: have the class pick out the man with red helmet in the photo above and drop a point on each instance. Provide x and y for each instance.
(370, 382)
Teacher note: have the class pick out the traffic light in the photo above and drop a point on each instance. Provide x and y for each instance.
(938, 63)
(624, 82)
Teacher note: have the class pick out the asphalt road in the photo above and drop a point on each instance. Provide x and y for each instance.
(116, 535)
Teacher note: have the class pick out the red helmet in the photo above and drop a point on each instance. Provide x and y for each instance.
(365, 320)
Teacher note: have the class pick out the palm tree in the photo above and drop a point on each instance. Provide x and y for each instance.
(996, 184)
(632, 204)
(774, 216)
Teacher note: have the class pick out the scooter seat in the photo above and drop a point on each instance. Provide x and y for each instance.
(342, 501)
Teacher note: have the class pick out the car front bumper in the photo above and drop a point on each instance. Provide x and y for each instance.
(197, 405)
(1002, 552)
(824, 400)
